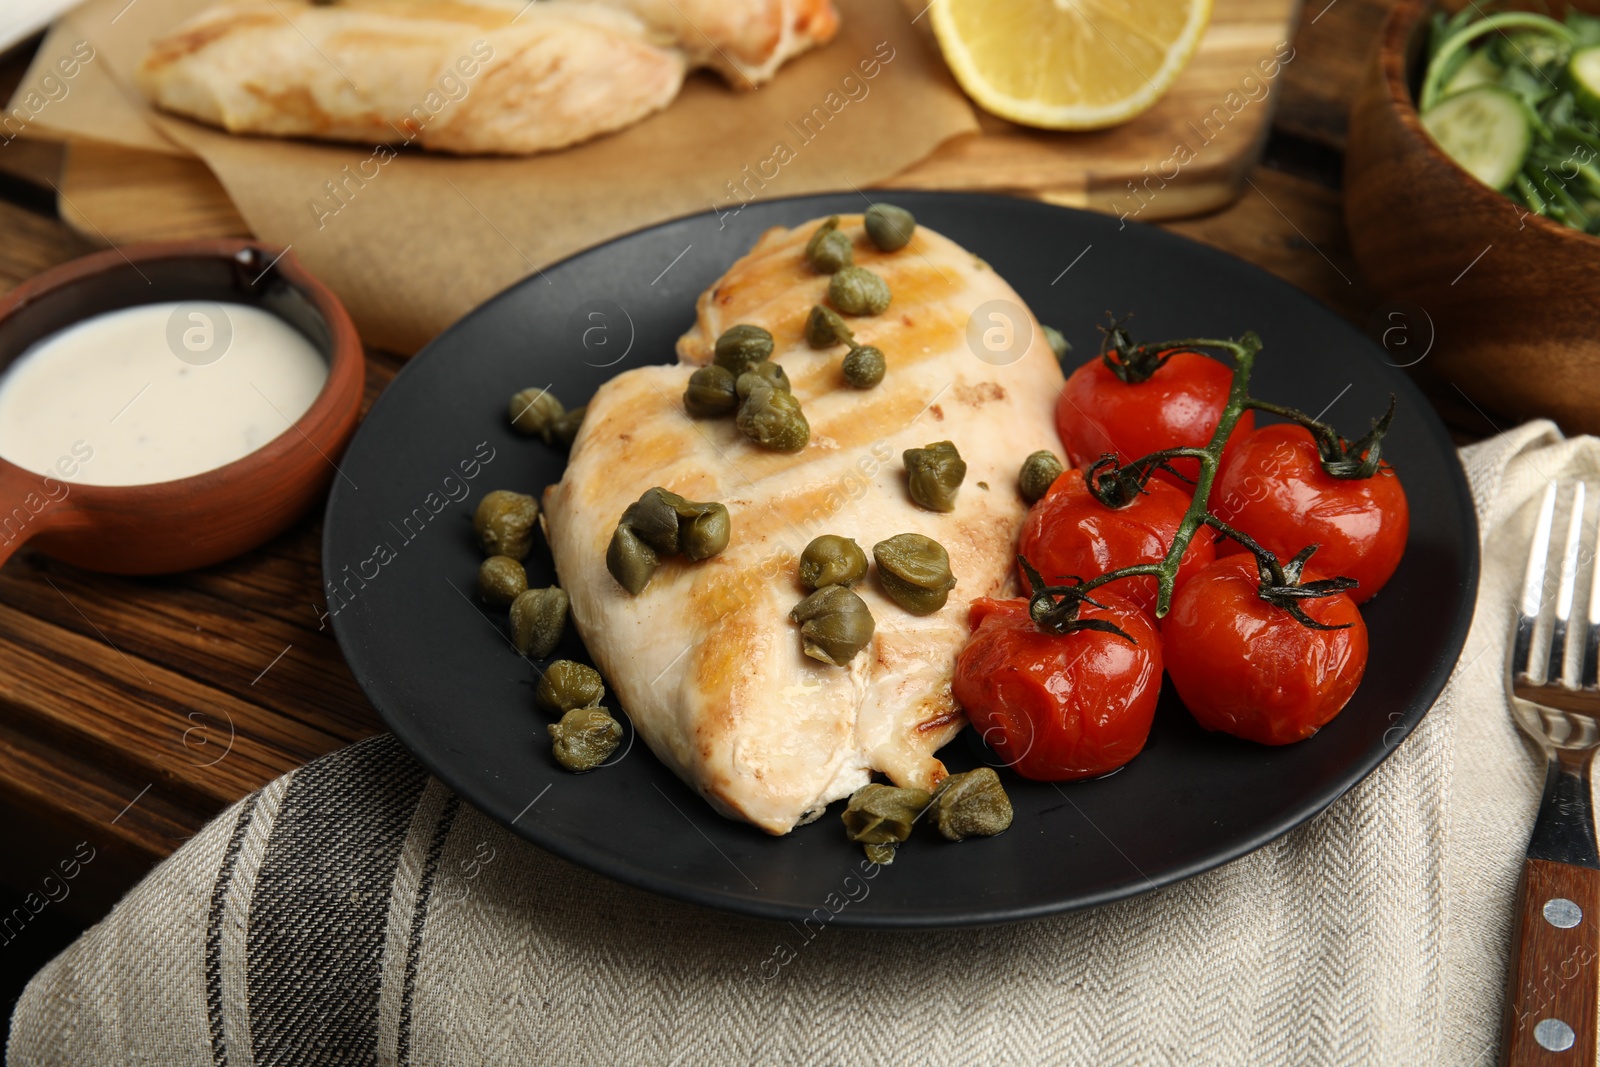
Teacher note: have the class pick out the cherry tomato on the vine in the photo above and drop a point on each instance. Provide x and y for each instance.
(1178, 406)
(1069, 532)
(1273, 488)
(1060, 706)
(1247, 667)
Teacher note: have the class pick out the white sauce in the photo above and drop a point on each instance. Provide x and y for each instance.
(156, 392)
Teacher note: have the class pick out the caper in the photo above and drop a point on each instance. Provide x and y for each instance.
(832, 560)
(703, 530)
(858, 291)
(1039, 472)
(501, 580)
(567, 685)
(835, 624)
(742, 347)
(890, 227)
(505, 522)
(915, 572)
(768, 373)
(883, 814)
(1058, 343)
(829, 225)
(584, 738)
(829, 252)
(934, 474)
(863, 367)
(564, 427)
(710, 393)
(533, 410)
(538, 618)
(826, 328)
(973, 804)
(882, 855)
(654, 519)
(630, 561)
(772, 418)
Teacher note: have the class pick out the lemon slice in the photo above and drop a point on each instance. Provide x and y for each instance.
(1068, 64)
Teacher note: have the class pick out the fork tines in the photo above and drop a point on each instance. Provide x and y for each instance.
(1577, 554)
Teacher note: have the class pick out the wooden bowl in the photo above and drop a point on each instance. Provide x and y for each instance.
(1513, 298)
(219, 513)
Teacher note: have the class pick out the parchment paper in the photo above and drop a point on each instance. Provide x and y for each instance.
(413, 242)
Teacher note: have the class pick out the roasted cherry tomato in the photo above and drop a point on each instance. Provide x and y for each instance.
(1178, 406)
(1060, 706)
(1248, 668)
(1274, 489)
(1069, 532)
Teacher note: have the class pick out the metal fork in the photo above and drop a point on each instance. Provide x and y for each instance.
(1554, 979)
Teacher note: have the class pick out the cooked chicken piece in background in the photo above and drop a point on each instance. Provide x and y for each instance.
(746, 41)
(705, 660)
(464, 76)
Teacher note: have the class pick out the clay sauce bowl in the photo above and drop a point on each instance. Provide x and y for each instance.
(189, 522)
(1513, 298)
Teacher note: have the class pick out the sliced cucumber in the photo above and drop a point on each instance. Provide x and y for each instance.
(1486, 130)
(1583, 71)
(1478, 70)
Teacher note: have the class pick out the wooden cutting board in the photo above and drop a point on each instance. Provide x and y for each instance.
(1186, 156)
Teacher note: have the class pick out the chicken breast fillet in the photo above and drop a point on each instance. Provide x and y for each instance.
(705, 660)
(746, 41)
(464, 76)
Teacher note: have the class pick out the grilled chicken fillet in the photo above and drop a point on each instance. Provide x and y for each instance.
(705, 660)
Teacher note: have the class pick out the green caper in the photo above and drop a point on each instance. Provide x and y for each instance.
(882, 855)
(703, 530)
(742, 347)
(934, 474)
(538, 619)
(973, 804)
(915, 572)
(768, 373)
(883, 814)
(630, 561)
(890, 227)
(564, 427)
(829, 252)
(825, 328)
(772, 418)
(832, 560)
(829, 225)
(501, 580)
(858, 291)
(654, 519)
(711, 393)
(863, 367)
(505, 522)
(835, 624)
(1058, 343)
(584, 738)
(1039, 472)
(567, 685)
(533, 410)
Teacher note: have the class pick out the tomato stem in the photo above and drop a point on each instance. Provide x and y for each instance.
(1351, 460)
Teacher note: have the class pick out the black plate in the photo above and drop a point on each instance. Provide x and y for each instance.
(448, 684)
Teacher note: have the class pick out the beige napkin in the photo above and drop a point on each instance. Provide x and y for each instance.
(1376, 934)
(412, 243)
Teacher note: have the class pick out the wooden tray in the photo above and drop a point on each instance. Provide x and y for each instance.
(1186, 156)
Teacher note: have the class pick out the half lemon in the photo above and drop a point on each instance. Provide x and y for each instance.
(1068, 64)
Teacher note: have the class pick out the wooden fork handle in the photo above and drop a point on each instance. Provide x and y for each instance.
(1553, 991)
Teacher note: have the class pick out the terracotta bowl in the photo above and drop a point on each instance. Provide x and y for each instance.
(1510, 301)
(220, 513)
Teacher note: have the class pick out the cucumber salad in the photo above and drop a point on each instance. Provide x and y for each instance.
(1514, 98)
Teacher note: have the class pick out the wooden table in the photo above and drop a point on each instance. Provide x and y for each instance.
(135, 709)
